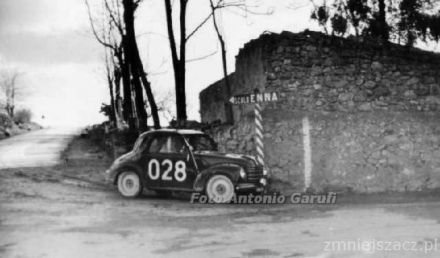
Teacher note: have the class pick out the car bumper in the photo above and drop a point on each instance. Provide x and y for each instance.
(258, 187)
(109, 178)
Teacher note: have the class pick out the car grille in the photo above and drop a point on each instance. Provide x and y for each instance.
(254, 173)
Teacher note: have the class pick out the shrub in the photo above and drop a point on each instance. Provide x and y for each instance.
(5, 120)
(114, 142)
(107, 110)
(22, 116)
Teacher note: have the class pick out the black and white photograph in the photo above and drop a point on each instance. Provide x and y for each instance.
(219, 128)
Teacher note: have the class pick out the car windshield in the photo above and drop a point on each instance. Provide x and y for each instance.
(201, 142)
(140, 142)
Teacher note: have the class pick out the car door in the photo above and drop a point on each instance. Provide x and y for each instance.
(166, 165)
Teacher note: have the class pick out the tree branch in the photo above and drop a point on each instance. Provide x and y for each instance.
(113, 18)
(202, 57)
(198, 27)
(101, 41)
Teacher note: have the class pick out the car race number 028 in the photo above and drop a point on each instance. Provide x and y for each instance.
(154, 170)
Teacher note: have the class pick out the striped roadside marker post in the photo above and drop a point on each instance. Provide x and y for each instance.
(256, 99)
(259, 134)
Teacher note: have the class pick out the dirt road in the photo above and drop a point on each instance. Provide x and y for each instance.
(46, 212)
(38, 148)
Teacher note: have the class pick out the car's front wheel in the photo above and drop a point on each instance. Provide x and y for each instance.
(129, 184)
(220, 189)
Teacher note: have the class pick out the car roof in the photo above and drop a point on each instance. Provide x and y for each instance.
(179, 131)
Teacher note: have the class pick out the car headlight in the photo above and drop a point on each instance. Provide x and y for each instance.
(242, 173)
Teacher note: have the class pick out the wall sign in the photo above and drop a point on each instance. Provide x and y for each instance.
(255, 98)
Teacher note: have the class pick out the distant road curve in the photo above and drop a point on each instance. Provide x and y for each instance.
(35, 149)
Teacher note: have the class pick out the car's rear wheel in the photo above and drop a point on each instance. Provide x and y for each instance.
(129, 184)
(220, 189)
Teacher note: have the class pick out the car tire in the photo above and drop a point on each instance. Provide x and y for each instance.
(220, 189)
(129, 184)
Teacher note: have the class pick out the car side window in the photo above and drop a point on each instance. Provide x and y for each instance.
(167, 144)
(177, 144)
(156, 144)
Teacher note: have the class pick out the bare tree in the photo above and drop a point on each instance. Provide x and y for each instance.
(9, 86)
(129, 68)
(129, 45)
(178, 56)
(133, 56)
(110, 34)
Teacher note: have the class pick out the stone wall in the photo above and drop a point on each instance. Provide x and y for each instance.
(373, 112)
(212, 102)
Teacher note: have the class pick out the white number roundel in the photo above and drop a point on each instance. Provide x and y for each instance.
(154, 170)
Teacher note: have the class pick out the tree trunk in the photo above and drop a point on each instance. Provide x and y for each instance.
(118, 98)
(153, 105)
(110, 82)
(182, 116)
(383, 23)
(10, 110)
(127, 105)
(117, 81)
(179, 63)
(227, 86)
(181, 96)
(139, 101)
(112, 99)
(11, 100)
(132, 60)
(147, 86)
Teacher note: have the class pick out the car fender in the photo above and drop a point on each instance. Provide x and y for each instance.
(124, 167)
(230, 170)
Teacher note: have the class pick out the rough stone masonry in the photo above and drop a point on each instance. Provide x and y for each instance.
(372, 113)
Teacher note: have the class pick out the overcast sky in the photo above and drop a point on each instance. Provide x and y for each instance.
(50, 42)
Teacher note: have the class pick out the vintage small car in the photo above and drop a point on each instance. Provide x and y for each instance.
(175, 160)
